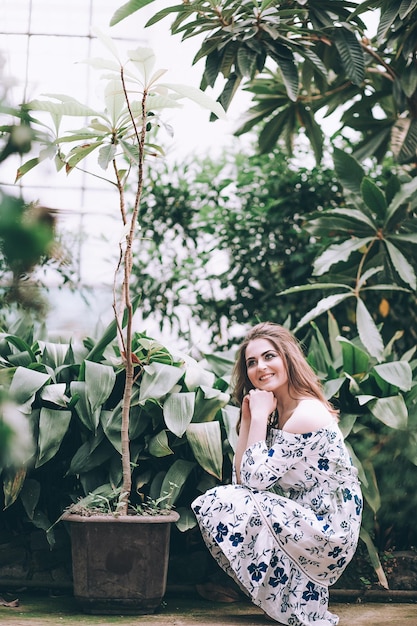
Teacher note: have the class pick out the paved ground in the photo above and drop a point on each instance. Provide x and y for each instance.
(36, 609)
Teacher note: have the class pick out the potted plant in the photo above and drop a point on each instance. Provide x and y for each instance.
(133, 398)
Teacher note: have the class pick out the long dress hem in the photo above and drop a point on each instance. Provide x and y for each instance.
(290, 528)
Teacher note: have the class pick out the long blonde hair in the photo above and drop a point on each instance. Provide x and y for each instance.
(302, 380)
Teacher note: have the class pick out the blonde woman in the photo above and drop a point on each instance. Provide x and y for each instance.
(288, 525)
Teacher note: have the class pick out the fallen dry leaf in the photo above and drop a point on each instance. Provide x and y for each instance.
(12, 603)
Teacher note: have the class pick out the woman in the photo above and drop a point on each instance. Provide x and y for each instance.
(289, 524)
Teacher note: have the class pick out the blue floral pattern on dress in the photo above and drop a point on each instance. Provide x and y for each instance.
(290, 528)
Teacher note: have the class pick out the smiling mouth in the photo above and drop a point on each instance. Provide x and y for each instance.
(265, 377)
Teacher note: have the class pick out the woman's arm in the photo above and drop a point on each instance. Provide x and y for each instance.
(256, 408)
(243, 436)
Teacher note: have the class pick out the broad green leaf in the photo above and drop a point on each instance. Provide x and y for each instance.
(346, 423)
(178, 411)
(370, 487)
(325, 304)
(364, 399)
(356, 462)
(337, 253)
(196, 375)
(348, 171)
(159, 445)
(334, 333)
(404, 139)
(374, 557)
(198, 96)
(158, 379)
(103, 64)
(78, 390)
(111, 422)
(332, 386)
(208, 402)
(289, 72)
(410, 237)
(220, 363)
(26, 167)
(91, 454)
(107, 42)
(406, 7)
(174, 480)
(54, 354)
(402, 266)
(206, 443)
(391, 411)
(24, 386)
(368, 274)
(354, 215)
(374, 198)
(21, 345)
(355, 360)
(53, 426)
(115, 100)
(127, 9)
(312, 287)
(69, 107)
(79, 153)
(29, 496)
(351, 55)
(230, 416)
(13, 482)
(367, 330)
(55, 394)
(397, 373)
(106, 155)
(187, 519)
(274, 128)
(99, 380)
(387, 18)
(406, 192)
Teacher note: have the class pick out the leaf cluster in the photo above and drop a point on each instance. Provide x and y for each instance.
(71, 397)
(299, 58)
(376, 233)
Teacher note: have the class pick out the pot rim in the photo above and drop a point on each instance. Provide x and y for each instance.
(168, 518)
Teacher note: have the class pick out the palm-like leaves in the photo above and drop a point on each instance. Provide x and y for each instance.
(320, 60)
(378, 227)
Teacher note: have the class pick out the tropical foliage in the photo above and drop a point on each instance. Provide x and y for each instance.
(377, 400)
(182, 426)
(120, 136)
(27, 235)
(221, 237)
(224, 237)
(376, 234)
(71, 395)
(302, 57)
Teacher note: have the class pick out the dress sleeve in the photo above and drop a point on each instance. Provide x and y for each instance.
(262, 467)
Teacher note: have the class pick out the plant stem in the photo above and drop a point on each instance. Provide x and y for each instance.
(127, 261)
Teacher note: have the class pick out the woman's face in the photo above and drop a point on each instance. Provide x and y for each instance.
(265, 368)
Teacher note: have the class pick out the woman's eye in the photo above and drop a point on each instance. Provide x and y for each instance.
(250, 363)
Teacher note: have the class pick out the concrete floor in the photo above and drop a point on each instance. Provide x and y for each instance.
(37, 609)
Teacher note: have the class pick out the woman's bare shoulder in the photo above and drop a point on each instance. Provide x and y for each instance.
(310, 415)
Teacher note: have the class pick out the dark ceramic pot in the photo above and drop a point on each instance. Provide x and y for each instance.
(120, 564)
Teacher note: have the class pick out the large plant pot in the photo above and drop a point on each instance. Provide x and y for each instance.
(120, 564)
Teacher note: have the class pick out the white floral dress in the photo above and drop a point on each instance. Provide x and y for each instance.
(290, 528)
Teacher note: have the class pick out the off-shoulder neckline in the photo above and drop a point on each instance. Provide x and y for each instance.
(332, 426)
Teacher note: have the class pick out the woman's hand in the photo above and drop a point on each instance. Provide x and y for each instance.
(256, 407)
(261, 404)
